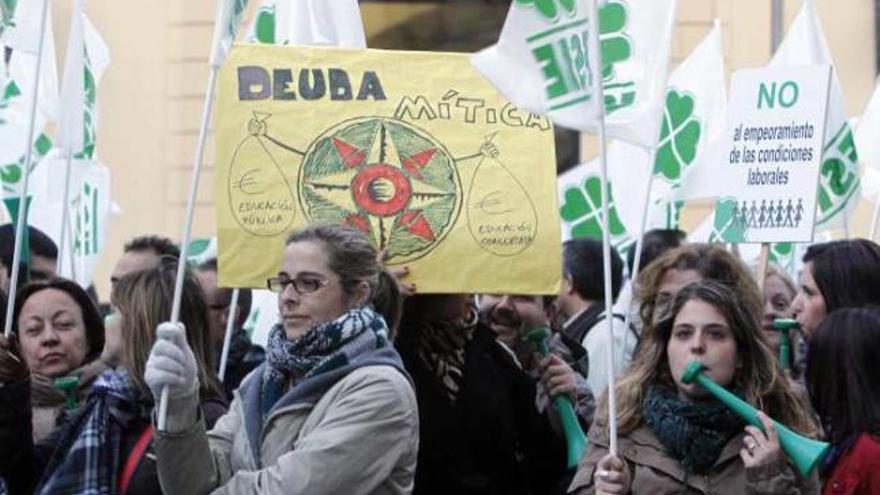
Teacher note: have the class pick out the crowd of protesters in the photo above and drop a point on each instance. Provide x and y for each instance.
(366, 386)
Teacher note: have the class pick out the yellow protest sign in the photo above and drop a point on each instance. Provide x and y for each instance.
(415, 149)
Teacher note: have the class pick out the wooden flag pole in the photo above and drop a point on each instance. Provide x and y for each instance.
(22, 196)
(599, 99)
(763, 261)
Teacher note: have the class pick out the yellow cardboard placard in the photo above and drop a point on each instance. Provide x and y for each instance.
(415, 149)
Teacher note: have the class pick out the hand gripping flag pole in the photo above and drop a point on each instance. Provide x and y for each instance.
(225, 24)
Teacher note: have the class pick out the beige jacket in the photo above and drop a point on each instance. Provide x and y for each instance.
(654, 472)
(359, 437)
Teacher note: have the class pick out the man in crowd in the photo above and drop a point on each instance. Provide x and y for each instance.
(43, 253)
(581, 302)
(243, 355)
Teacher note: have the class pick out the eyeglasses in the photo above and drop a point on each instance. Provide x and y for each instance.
(302, 285)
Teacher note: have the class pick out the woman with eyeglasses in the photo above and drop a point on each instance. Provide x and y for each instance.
(331, 411)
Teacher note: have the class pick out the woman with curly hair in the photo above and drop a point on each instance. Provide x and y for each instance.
(675, 437)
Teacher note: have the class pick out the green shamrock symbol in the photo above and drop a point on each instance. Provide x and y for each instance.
(679, 136)
(726, 228)
(614, 43)
(781, 252)
(839, 179)
(550, 8)
(582, 209)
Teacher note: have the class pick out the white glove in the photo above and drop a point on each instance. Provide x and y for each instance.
(171, 363)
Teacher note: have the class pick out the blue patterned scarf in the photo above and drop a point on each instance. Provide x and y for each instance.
(88, 458)
(324, 348)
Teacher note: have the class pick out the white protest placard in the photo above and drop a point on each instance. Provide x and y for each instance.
(769, 163)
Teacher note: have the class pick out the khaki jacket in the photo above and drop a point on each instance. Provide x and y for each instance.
(655, 472)
(359, 437)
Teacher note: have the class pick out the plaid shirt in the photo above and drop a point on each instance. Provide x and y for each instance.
(88, 458)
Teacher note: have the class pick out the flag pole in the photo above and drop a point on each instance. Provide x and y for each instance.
(637, 259)
(22, 197)
(227, 338)
(874, 218)
(596, 73)
(65, 220)
(224, 12)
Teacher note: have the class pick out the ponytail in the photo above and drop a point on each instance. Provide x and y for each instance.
(388, 301)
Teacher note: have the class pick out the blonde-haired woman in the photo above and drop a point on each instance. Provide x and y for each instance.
(675, 437)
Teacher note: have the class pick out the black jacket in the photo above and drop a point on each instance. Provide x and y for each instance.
(492, 440)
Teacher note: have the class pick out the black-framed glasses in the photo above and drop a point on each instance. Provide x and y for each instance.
(302, 285)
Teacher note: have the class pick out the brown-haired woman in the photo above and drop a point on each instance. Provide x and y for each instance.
(59, 334)
(675, 437)
(105, 447)
(330, 411)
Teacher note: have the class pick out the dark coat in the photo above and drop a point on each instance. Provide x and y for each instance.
(492, 440)
(858, 470)
(22, 463)
(244, 357)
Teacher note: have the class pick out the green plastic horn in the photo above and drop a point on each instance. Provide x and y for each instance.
(574, 435)
(805, 452)
(784, 325)
(68, 385)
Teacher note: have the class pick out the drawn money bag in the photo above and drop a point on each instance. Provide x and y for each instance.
(260, 196)
(501, 215)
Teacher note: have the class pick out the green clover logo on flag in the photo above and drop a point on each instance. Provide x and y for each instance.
(614, 43)
(781, 253)
(11, 174)
(679, 136)
(727, 228)
(839, 178)
(582, 209)
(551, 9)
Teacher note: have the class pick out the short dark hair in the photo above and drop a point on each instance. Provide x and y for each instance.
(91, 317)
(39, 244)
(162, 246)
(654, 243)
(582, 260)
(245, 296)
(843, 379)
(846, 272)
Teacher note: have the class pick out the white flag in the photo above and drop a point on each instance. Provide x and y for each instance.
(16, 97)
(229, 13)
(88, 216)
(867, 134)
(309, 22)
(693, 121)
(541, 63)
(70, 136)
(580, 206)
(839, 182)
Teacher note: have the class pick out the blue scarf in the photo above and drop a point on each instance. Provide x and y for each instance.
(326, 347)
(88, 458)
